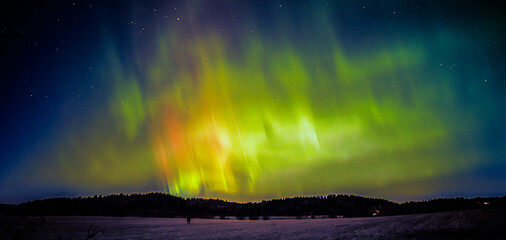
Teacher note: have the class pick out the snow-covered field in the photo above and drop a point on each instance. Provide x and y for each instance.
(472, 224)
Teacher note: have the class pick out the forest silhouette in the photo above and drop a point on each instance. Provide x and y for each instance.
(165, 205)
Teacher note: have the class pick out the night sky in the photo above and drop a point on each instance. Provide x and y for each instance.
(252, 100)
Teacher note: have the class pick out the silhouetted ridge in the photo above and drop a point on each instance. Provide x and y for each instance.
(165, 205)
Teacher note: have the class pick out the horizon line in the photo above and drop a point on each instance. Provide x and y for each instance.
(246, 202)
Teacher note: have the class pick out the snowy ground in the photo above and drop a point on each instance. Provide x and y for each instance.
(472, 224)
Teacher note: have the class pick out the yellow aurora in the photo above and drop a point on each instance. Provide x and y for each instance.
(248, 115)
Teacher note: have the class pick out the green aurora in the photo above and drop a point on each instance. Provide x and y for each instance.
(252, 101)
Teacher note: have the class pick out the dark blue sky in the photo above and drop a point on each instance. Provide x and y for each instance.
(432, 73)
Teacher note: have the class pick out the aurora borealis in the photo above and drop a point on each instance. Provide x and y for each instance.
(251, 100)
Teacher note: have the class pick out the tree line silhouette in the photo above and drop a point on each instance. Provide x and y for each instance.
(165, 205)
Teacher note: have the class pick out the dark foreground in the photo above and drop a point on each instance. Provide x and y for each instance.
(469, 224)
